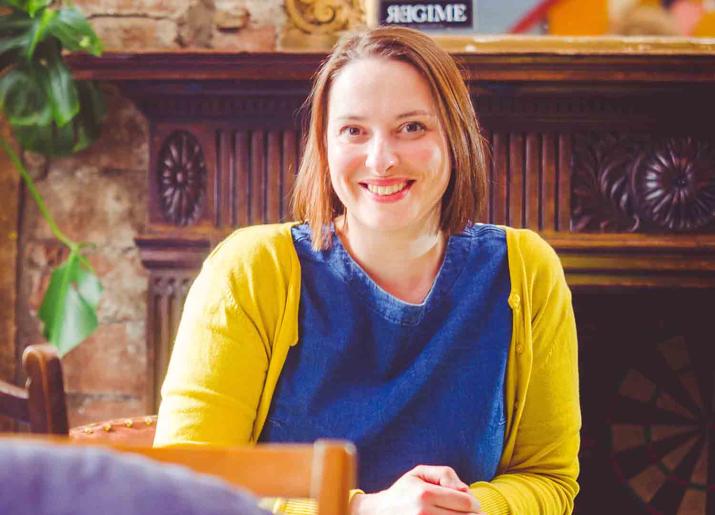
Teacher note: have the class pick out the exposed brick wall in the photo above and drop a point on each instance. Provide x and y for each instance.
(9, 196)
(99, 196)
(249, 25)
(96, 196)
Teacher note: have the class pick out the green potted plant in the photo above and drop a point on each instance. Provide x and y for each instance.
(52, 114)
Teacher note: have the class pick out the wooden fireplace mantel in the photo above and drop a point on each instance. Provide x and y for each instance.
(605, 146)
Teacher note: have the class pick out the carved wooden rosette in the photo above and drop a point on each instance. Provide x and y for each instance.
(181, 174)
(635, 183)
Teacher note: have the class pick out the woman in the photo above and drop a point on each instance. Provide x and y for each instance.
(444, 349)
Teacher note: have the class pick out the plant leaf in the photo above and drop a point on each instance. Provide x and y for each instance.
(9, 56)
(84, 128)
(15, 30)
(39, 31)
(74, 31)
(69, 308)
(22, 98)
(38, 138)
(61, 89)
(13, 43)
(33, 6)
(88, 123)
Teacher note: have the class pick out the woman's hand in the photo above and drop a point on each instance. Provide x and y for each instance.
(424, 490)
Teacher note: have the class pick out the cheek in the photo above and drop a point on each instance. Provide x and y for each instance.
(343, 160)
(433, 157)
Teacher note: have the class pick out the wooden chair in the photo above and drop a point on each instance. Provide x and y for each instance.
(324, 471)
(308, 476)
(41, 404)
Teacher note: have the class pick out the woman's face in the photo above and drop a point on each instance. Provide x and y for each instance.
(387, 152)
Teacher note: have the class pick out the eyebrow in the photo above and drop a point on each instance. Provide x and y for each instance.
(409, 114)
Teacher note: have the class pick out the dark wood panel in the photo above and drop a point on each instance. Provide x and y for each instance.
(274, 176)
(500, 178)
(289, 169)
(167, 293)
(570, 60)
(548, 192)
(257, 178)
(563, 197)
(242, 198)
(532, 199)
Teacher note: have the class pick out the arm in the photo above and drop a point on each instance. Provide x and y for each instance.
(237, 324)
(216, 372)
(540, 474)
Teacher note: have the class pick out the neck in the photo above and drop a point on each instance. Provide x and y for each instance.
(404, 263)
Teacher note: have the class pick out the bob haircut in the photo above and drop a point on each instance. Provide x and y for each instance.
(315, 200)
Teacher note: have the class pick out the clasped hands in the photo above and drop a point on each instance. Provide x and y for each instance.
(424, 490)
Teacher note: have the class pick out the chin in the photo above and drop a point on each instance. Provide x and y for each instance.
(387, 223)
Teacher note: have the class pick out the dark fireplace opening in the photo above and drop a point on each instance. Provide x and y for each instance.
(647, 383)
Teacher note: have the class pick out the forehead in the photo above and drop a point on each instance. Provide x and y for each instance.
(378, 83)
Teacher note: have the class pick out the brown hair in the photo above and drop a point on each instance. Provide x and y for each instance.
(313, 197)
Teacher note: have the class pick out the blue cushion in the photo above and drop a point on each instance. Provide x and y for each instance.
(43, 479)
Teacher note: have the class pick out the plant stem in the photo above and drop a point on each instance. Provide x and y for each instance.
(36, 196)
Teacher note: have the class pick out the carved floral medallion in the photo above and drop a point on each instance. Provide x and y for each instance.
(636, 184)
(182, 178)
(675, 184)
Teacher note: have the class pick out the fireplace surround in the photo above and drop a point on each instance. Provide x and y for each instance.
(606, 147)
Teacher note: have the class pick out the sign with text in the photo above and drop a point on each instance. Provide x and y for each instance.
(429, 15)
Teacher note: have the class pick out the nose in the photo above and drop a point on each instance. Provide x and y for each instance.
(381, 155)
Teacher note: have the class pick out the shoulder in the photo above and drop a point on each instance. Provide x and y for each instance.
(259, 250)
(531, 249)
(535, 268)
(251, 263)
(252, 245)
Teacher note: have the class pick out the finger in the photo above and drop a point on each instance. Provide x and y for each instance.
(439, 475)
(449, 499)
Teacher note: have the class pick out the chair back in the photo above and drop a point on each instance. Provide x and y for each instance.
(41, 404)
(324, 471)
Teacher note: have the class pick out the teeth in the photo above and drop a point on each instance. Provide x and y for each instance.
(386, 190)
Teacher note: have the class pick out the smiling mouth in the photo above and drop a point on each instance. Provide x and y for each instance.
(386, 191)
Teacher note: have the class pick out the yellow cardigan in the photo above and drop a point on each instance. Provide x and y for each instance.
(241, 317)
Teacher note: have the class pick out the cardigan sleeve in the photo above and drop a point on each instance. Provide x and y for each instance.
(540, 474)
(216, 372)
(213, 390)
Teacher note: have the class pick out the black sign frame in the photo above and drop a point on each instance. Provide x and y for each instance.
(429, 15)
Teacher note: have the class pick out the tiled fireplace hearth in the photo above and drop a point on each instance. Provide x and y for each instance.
(607, 149)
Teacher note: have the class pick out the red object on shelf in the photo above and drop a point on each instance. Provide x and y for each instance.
(533, 17)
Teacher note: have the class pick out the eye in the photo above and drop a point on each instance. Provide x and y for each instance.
(351, 131)
(413, 127)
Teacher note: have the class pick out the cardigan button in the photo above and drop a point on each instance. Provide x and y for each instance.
(515, 301)
(519, 348)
